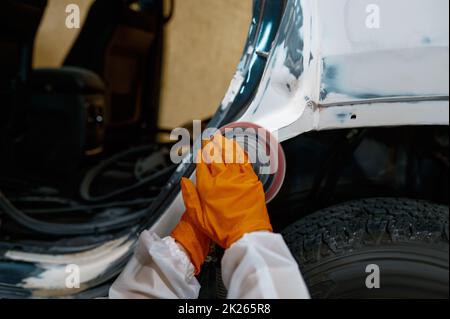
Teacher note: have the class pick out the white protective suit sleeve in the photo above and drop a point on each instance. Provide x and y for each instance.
(159, 269)
(258, 266)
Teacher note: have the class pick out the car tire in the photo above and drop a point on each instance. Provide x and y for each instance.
(374, 248)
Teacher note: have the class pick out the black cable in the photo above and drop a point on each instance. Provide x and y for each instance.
(89, 208)
(96, 171)
(46, 199)
(58, 229)
(85, 186)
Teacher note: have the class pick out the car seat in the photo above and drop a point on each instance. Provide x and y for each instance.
(49, 118)
(123, 45)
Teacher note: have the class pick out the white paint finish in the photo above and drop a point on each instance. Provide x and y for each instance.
(92, 264)
(405, 24)
(169, 220)
(383, 114)
(283, 97)
(406, 58)
(412, 72)
(233, 90)
(353, 63)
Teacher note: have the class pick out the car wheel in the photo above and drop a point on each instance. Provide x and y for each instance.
(374, 248)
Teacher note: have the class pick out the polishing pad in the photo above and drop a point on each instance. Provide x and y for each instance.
(265, 153)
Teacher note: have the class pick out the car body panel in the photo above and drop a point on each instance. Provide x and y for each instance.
(329, 58)
(321, 43)
(323, 69)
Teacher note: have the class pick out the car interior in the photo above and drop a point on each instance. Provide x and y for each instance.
(57, 124)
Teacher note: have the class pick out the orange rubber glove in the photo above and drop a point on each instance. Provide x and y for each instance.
(229, 199)
(193, 240)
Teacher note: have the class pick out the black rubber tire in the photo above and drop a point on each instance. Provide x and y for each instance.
(407, 240)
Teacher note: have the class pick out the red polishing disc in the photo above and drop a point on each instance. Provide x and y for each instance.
(260, 143)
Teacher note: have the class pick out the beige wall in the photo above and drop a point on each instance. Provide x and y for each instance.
(204, 42)
(54, 40)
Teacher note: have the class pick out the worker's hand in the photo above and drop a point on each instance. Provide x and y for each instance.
(230, 195)
(191, 238)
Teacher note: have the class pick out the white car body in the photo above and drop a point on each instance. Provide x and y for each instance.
(339, 64)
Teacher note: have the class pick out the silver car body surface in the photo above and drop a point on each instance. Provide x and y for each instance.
(331, 66)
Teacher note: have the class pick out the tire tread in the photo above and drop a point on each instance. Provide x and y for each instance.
(350, 226)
